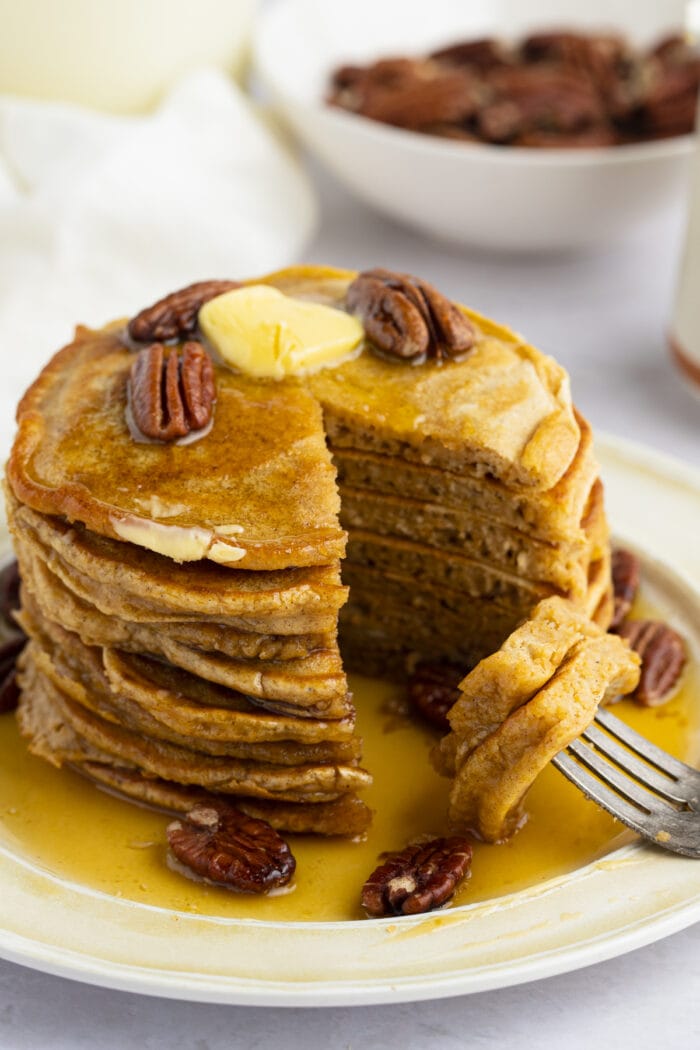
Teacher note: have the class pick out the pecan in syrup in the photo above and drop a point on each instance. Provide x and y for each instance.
(174, 394)
(14, 643)
(663, 657)
(417, 879)
(218, 842)
(406, 317)
(175, 316)
(433, 690)
(625, 578)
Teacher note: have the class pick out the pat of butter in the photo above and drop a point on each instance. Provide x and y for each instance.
(265, 333)
(178, 542)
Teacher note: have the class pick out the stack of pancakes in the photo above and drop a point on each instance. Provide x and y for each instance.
(168, 672)
(182, 600)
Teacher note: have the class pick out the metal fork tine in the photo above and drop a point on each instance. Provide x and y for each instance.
(671, 829)
(661, 759)
(615, 778)
(604, 796)
(663, 784)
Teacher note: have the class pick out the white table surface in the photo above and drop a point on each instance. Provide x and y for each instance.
(603, 316)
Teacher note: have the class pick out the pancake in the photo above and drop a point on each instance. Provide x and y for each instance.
(477, 579)
(346, 816)
(510, 677)
(465, 533)
(185, 704)
(201, 588)
(505, 410)
(65, 607)
(491, 781)
(184, 598)
(554, 515)
(212, 499)
(54, 740)
(111, 602)
(47, 704)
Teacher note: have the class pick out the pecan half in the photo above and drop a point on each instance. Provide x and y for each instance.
(432, 690)
(625, 578)
(593, 53)
(414, 104)
(406, 93)
(172, 395)
(406, 317)
(13, 645)
(669, 105)
(673, 49)
(480, 54)
(417, 879)
(175, 316)
(218, 842)
(549, 97)
(663, 657)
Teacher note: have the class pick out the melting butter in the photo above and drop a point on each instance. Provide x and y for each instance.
(267, 334)
(180, 543)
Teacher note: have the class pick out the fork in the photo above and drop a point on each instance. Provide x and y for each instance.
(638, 783)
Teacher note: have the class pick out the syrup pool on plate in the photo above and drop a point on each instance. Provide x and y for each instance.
(62, 823)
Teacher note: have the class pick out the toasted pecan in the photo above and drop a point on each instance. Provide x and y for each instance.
(625, 577)
(220, 843)
(408, 318)
(175, 316)
(663, 658)
(433, 690)
(172, 395)
(418, 878)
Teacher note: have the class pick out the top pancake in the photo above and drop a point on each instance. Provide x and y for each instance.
(503, 411)
(258, 490)
(260, 481)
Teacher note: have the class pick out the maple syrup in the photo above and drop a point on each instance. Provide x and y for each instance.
(64, 824)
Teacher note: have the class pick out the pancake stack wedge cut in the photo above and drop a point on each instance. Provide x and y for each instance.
(183, 598)
(469, 493)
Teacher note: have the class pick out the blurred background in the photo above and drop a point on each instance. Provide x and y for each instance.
(147, 144)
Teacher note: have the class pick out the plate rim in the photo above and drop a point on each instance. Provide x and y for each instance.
(192, 987)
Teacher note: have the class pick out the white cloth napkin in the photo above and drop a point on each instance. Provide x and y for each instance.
(100, 215)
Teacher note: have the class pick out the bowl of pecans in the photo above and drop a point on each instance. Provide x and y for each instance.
(504, 126)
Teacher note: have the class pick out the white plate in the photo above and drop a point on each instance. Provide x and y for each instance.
(491, 196)
(630, 898)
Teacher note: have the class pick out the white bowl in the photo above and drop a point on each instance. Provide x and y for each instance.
(490, 196)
